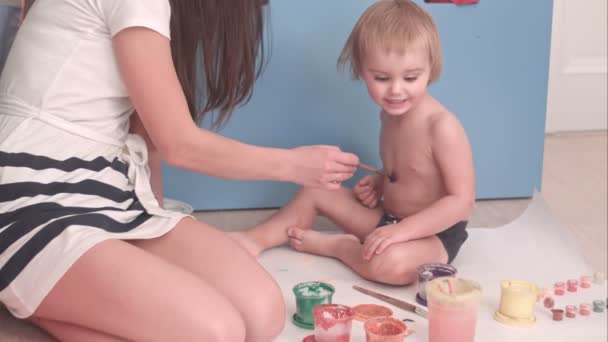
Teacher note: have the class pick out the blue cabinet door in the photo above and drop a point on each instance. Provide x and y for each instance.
(496, 62)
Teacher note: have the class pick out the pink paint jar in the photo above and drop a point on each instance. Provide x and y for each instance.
(572, 285)
(571, 311)
(586, 282)
(558, 314)
(333, 322)
(384, 329)
(559, 288)
(453, 304)
(584, 309)
(549, 302)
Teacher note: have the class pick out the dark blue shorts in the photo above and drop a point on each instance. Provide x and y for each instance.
(451, 238)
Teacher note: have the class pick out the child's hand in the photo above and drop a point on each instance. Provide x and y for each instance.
(366, 191)
(376, 242)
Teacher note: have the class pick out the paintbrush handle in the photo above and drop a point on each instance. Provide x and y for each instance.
(394, 301)
(370, 168)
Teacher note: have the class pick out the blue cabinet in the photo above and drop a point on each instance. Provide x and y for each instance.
(496, 63)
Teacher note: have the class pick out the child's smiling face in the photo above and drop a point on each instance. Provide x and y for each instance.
(397, 80)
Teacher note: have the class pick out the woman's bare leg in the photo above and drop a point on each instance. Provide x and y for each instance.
(213, 256)
(68, 332)
(121, 290)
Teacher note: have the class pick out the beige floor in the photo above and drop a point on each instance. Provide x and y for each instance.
(574, 185)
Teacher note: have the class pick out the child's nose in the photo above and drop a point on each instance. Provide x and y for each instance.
(396, 87)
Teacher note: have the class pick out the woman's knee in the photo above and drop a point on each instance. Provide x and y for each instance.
(265, 314)
(225, 324)
(225, 328)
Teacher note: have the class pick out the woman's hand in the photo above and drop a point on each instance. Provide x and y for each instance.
(322, 166)
(368, 190)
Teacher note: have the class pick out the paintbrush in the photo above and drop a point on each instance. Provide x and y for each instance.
(396, 302)
(391, 177)
(370, 169)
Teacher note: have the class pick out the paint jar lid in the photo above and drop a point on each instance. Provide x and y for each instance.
(434, 270)
(450, 291)
(313, 289)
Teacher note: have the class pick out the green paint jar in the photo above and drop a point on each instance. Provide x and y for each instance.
(308, 295)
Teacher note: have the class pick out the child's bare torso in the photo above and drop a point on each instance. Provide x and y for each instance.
(407, 154)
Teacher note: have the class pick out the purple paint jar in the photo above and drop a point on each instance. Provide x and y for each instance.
(428, 272)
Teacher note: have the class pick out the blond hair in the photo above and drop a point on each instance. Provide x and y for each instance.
(392, 24)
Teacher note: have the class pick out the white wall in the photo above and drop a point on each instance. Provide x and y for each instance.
(577, 76)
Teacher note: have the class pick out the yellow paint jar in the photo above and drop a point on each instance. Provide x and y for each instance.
(517, 303)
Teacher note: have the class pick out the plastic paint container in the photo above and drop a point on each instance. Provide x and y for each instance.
(584, 309)
(599, 278)
(517, 303)
(571, 311)
(453, 305)
(598, 306)
(559, 288)
(428, 272)
(333, 322)
(384, 329)
(308, 295)
(572, 285)
(585, 282)
(558, 314)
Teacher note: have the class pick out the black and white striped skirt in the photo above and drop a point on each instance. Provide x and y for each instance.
(60, 194)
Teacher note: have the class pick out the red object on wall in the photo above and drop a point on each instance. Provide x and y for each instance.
(457, 2)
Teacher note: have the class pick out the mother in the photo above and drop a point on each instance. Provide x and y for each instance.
(86, 250)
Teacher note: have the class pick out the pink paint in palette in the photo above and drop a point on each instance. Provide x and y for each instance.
(385, 329)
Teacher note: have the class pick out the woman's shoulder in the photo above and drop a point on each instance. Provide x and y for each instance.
(121, 14)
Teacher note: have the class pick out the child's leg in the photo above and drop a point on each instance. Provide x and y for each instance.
(340, 206)
(396, 265)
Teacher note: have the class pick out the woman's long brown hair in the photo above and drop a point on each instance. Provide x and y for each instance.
(221, 41)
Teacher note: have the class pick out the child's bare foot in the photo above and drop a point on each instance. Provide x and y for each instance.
(313, 242)
(246, 242)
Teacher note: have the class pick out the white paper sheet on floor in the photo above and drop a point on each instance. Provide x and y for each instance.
(534, 247)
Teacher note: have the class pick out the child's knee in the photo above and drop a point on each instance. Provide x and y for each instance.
(392, 267)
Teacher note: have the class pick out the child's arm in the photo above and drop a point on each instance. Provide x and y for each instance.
(154, 158)
(452, 153)
(146, 64)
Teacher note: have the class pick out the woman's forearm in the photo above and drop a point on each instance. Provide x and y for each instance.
(206, 152)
